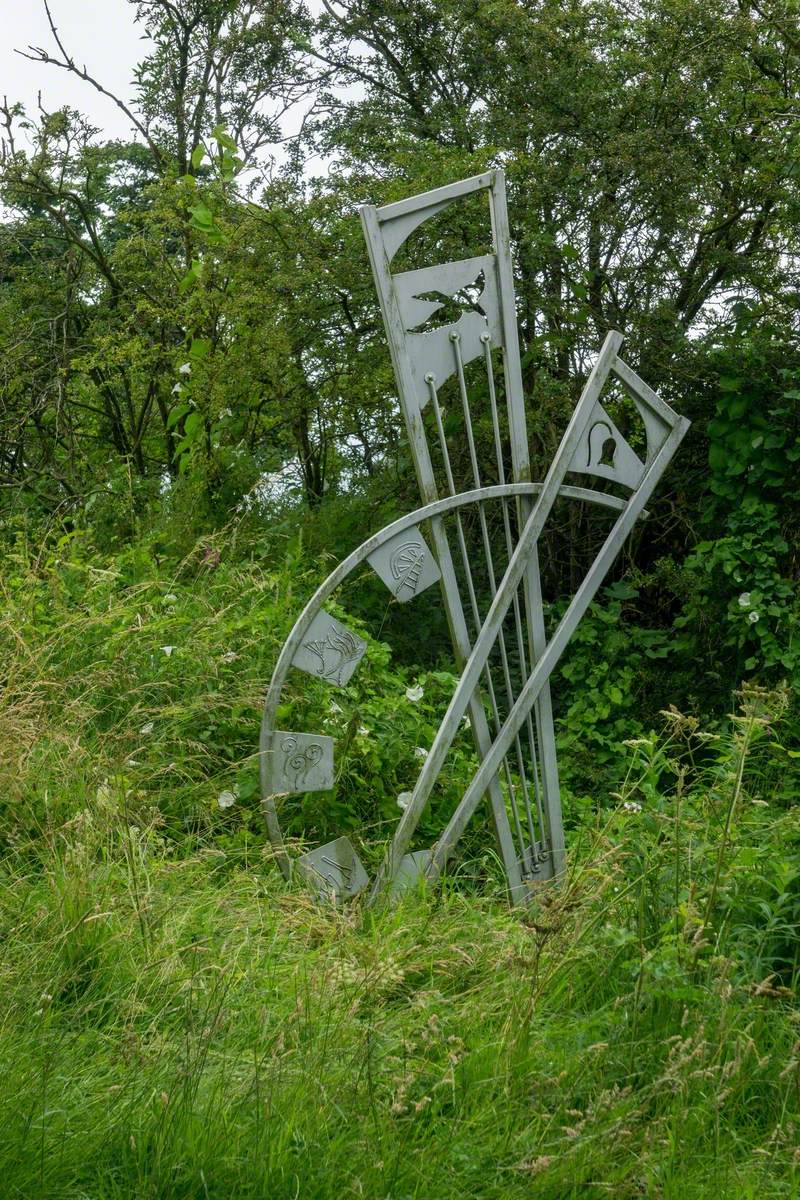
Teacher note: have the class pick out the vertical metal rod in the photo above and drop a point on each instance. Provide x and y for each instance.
(487, 550)
(486, 338)
(437, 412)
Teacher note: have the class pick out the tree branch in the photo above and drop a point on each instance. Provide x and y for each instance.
(67, 63)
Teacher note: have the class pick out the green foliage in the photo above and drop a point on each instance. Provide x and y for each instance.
(609, 662)
(178, 1022)
(195, 648)
(757, 626)
(739, 582)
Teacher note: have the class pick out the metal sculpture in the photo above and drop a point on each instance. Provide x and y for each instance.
(439, 320)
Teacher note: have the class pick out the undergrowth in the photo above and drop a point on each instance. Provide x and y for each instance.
(179, 1023)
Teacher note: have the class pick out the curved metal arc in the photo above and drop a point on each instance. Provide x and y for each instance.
(340, 573)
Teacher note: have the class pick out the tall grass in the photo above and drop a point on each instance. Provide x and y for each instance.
(178, 1023)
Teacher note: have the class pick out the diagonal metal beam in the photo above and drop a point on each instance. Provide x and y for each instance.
(555, 648)
(485, 641)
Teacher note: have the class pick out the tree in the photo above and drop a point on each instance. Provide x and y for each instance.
(110, 230)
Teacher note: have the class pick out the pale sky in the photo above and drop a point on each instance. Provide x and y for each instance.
(100, 33)
(103, 36)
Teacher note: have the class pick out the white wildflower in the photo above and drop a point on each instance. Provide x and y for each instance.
(420, 752)
(363, 731)
(415, 693)
(230, 656)
(334, 707)
(744, 600)
(170, 598)
(132, 762)
(752, 617)
(632, 806)
(185, 369)
(167, 650)
(403, 800)
(177, 389)
(226, 412)
(226, 799)
(148, 728)
(466, 723)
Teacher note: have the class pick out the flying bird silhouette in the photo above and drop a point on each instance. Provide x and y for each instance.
(452, 308)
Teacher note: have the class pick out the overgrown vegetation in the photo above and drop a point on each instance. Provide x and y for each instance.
(178, 1022)
(197, 418)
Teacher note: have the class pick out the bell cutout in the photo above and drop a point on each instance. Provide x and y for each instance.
(604, 451)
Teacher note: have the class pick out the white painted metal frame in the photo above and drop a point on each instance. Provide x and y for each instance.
(308, 619)
(665, 430)
(516, 742)
(422, 363)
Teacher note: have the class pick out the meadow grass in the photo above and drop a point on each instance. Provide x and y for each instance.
(177, 1022)
(179, 1029)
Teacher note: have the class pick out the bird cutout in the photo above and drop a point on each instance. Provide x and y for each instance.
(436, 302)
(466, 299)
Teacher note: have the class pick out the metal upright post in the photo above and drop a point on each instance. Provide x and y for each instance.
(427, 485)
(521, 465)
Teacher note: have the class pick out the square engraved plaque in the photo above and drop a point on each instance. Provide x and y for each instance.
(334, 871)
(412, 867)
(406, 565)
(329, 650)
(299, 762)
